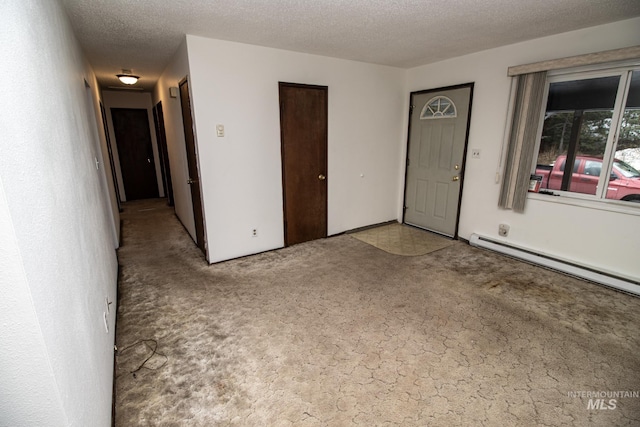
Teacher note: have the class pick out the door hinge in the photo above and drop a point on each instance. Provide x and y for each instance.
(405, 208)
(411, 109)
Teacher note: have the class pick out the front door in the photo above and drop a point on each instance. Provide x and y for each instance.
(192, 163)
(303, 131)
(133, 138)
(438, 129)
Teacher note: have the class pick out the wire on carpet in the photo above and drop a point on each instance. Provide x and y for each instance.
(154, 351)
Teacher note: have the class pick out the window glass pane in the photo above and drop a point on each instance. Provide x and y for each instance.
(576, 164)
(438, 107)
(592, 167)
(590, 151)
(576, 125)
(633, 100)
(625, 178)
(555, 137)
(587, 94)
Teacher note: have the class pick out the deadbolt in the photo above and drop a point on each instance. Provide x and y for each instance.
(322, 177)
(456, 167)
(456, 178)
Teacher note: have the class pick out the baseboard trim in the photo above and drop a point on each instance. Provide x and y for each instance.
(368, 227)
(573, 269)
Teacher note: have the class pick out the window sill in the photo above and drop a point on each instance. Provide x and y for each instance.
(584, 201)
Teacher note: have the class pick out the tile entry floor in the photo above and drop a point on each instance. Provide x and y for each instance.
(401, 239)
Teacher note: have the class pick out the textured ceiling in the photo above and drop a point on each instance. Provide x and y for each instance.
(142, 35)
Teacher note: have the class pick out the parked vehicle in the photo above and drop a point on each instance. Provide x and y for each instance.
(624, 183)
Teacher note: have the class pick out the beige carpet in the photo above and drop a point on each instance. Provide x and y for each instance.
(400, 239)
(338, 333)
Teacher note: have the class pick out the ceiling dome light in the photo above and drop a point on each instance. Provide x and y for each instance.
(127, 78)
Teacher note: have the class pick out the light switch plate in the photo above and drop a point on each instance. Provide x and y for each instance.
(220, 130)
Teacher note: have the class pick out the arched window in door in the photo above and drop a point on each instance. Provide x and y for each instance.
(439, 107)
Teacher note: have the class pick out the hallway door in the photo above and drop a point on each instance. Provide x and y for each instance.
(112, 164)
(133, 139)
(161, 136)
(303, 131)
(438, 131)
(192, 162)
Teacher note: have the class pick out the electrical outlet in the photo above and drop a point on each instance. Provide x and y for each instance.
(254, 232)
(503, 230)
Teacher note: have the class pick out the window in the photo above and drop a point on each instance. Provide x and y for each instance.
(576, 164)
(438, 107)
(593, 121)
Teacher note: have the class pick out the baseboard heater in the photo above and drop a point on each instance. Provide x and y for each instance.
(543, 260)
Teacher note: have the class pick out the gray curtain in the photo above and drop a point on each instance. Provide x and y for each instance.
(522, 140)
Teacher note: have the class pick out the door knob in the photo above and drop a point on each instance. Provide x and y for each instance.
(149, 160)
(189, 181)
(456, 178)
(322, 177)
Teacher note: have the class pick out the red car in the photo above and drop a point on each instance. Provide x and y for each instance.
(624, 183)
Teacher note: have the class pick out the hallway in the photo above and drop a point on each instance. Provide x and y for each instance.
(335, 332)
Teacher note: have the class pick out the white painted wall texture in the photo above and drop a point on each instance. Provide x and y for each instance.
(175, 72)
(584, 234)
(236, 85)
(57, 239)
(56, 222)
(113, 99)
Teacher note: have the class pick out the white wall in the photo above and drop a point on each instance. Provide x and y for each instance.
(56, 229)
(176, 71)
(583, 234)
(119, 99)
(237, 85)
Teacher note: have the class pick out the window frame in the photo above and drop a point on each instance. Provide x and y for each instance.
(624, 70)
(438, 114)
